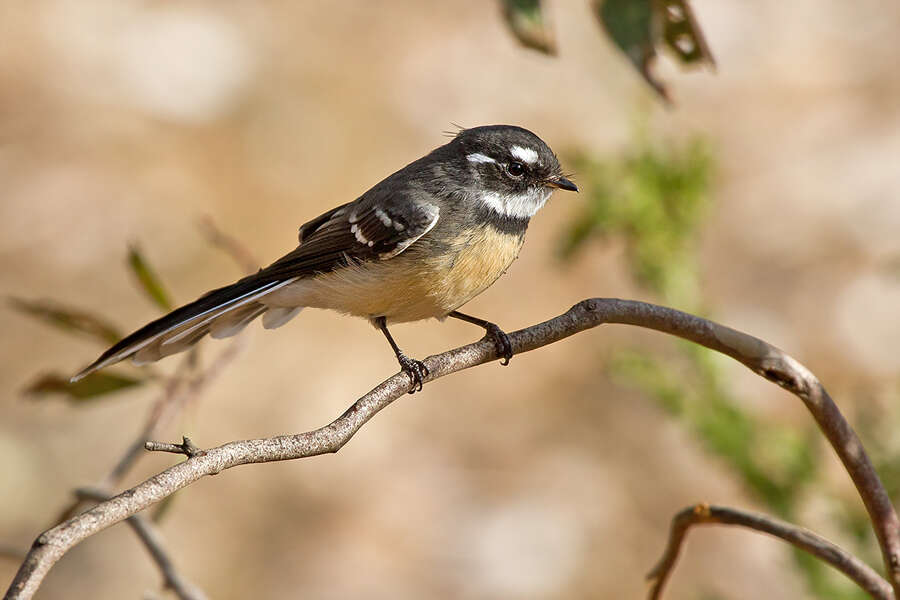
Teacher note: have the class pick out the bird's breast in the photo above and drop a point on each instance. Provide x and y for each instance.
(423, 282)
(475, 260)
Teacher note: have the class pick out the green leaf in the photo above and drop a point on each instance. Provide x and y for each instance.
(92, 386)
(67, 318)
(148, 279)
(527, 21)
(639, 27)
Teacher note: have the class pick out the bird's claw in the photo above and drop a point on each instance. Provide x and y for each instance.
(416, 370)
(501, 343)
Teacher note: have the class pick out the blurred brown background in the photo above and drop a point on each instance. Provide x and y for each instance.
(125, 121)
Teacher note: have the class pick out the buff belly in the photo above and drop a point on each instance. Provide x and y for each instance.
(410, 286)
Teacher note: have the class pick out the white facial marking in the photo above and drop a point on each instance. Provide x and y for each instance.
(517, 206)
(526, 155)
(478, 157)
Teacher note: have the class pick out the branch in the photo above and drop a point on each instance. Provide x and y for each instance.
(186, 447)
(179, 391)
(151, 538)
(704, 514)
(234, 248)
(762, 358)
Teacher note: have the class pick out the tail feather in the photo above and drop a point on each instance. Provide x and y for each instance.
(184, 326)
(158, 349)
(276, 317)
(173, 336)
(233, 322)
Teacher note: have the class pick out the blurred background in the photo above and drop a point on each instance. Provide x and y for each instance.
(767, 198)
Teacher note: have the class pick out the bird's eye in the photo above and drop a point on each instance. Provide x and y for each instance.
(515, 169)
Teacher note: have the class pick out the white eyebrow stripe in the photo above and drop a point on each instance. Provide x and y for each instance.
(524, 154)
(478, 157)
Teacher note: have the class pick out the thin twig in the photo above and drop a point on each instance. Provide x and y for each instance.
(186, 447)
(152, 539)
(178, 392)
(704, 514)
(163, 409)
(762, 358)
(234, 248)
(166, 406)
(179, 389)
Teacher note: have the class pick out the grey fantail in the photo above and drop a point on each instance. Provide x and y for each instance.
(420, 244)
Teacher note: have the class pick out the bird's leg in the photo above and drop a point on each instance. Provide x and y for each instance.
(416, 369)
(501, 340)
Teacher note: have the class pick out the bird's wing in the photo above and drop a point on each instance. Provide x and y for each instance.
(371, 228)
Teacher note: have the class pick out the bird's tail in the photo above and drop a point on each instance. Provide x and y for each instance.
(221, 313)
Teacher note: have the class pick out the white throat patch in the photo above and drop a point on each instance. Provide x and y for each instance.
(517, 206)
(526, 155)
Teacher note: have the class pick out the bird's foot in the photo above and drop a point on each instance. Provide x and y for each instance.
(416, 370)
(501, 342)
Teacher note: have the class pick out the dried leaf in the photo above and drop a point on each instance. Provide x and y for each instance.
(67, 318)
(148, 279)
(639, 27)
(528, 23)
(91, 387)
(682, 33)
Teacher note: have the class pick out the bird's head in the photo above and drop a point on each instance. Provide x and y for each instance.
(513, 171)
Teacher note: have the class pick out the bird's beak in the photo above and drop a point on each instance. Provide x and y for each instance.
(560, 182)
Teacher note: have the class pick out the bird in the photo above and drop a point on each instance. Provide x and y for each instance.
(418, 245)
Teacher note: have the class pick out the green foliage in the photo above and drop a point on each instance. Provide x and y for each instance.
(148, 280)
(629, 24)
(639, 27)
(655, 200)
(774, 461)
(68, 319)
(89, 388)
(636, 27)
(78, 321)
(824, 581)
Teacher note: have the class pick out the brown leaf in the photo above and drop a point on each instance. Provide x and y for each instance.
(682, 33)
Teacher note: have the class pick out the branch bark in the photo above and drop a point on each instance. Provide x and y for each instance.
(704, 514)
(152, 540)
(185, 385)
(762, 358)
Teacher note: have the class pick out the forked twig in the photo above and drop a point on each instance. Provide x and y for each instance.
(704, 514)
